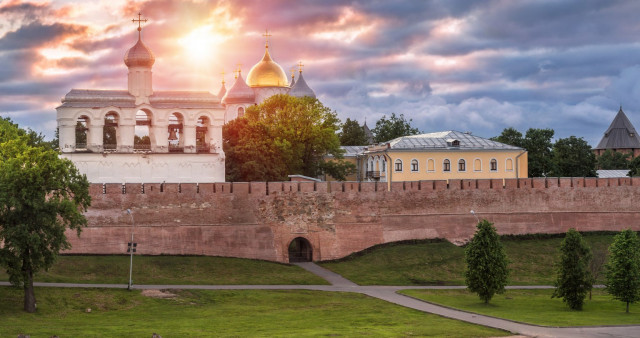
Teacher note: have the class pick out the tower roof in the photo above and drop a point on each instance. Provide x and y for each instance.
(620, 135)
(239, 92)
(267, 73)
(301, 89)
(222, 92)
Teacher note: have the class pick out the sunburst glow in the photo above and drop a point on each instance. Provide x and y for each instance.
(201, 43)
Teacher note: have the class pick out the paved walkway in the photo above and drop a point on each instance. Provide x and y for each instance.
(389, 294)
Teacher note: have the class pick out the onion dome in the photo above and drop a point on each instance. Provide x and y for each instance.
(239, 93)
(139, 56)
(223, 91)
(301, 89)
(267, 73)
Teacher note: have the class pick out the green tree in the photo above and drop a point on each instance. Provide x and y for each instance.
(634, 167)
(284, 135)
(394, 127)
(352, 134)
(611, 160)
(487, 271)
(573, 157)
(41, 196)
(623, 269)
(511, 137)
(574, 279)
(537, 142)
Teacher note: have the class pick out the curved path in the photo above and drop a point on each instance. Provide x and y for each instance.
(389, 294)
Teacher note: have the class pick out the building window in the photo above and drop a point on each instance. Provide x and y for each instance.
(431, 165)
(414, 165)
(509, 165)
(240, 111)
(398, 165)
(446, 165)
(477, 165)
(384, 166)
(494, 165)
(462, 165)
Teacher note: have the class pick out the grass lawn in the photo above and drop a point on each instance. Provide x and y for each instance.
(173, 270)
(198, 313)
(536, 307)
(442, 263)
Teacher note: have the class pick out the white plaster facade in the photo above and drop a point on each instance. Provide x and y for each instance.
(98, 128)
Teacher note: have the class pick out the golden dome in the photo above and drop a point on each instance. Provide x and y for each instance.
(267, 73)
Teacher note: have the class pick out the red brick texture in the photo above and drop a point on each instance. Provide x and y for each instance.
(259, 220)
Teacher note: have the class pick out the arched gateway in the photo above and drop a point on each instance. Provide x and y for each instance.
(300, 250)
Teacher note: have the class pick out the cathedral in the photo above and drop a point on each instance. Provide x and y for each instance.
(139, 135)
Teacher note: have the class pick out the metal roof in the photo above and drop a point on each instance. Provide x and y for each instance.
(612, 173)
(92, 98)
(443, 140)
(620, 135)
(301, 88)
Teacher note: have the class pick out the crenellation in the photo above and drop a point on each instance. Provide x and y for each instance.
(524, 183)
(484, 184)
(366, 187)
(624, 181)
(240, 188)
(306, 186)
(565, 182)
(113, 188)
(539, 183)
(614, 182)
(290, 186)
(336, 187)
(189, 188)
(171, 188)
(497, 183)
(511, 184)
(455, 184)
(577, 182)
(470, 184)
(602, 182)
(397, 186)
(635, 181)
(552, 182)
(440, 185)
(590, 182)
(133, 188)
(222, 188)
(258, 188)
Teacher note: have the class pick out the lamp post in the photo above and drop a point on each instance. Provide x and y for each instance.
(472, 212)
(131, 247)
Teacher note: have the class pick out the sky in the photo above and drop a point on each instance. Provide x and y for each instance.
(478, 66)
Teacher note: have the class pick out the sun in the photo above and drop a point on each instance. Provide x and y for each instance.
(201, 43)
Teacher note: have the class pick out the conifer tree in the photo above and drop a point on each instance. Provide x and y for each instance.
(487, 271)
(574, 275)
(623, 269)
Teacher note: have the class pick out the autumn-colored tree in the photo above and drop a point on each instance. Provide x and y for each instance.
(284, 135)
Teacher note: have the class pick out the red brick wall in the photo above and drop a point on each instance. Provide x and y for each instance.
(259, 220)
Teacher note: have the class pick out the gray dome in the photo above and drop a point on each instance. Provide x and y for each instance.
(139, 56)
(301, 89)
(239, 93)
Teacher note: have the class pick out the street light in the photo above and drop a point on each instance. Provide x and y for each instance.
(131, 247)
(472, 212)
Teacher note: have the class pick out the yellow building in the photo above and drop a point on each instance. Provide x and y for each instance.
(442, 156)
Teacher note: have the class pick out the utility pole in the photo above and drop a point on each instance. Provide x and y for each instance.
(132, 247)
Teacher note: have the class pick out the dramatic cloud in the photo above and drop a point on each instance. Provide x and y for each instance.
(478, 66)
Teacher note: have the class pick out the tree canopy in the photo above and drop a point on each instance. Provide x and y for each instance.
(487, 272)
(41, 196)
(574, 278)
(539, 148)
(394, 127)
(352, 134)
(612, 160)
(511, 137)
(623, 268)
(573, 157)
(284, 135)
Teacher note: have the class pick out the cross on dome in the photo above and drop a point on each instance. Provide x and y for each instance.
(139, 21)
(300, 66)
(266, 36)
(222, 73)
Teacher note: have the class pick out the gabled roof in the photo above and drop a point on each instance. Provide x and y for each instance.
(444, 140)
(620, 135)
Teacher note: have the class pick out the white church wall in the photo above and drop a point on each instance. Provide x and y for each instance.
(149, 168)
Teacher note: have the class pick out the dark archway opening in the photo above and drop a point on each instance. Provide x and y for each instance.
(300, 250)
